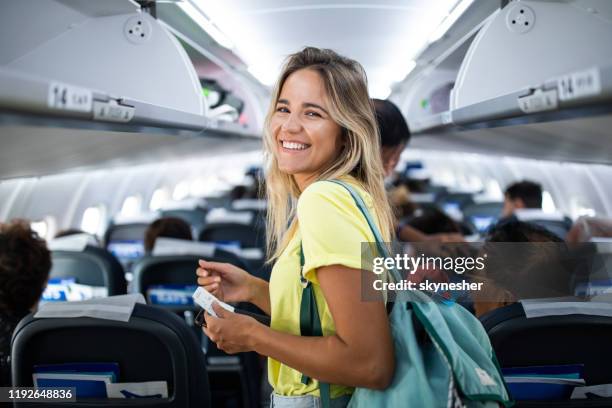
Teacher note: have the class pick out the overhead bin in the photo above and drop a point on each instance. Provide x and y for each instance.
(113, 63)
(79, 75)
(526, 65)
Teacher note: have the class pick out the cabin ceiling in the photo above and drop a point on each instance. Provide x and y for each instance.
(384, 36)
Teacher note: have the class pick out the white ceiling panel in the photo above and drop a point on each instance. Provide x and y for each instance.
(383, 36)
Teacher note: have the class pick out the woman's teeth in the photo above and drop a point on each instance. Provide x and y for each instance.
(294, 145)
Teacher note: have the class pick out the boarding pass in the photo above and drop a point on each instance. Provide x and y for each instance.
(205, 299)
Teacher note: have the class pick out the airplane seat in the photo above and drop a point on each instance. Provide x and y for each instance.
(556, 223)
(232, 377)
(244, 229)
(154, 345)
(126, 242)
(559, 228)
(175, 269)
(521, 341)
(248, 236)
(133, 231)
(482, 215)
(195, 217)
(92, 266)
(454, 203)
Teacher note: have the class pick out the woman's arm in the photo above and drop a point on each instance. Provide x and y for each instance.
(260, 295)
(359, 354)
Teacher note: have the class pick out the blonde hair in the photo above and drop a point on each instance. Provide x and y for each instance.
(350, 107)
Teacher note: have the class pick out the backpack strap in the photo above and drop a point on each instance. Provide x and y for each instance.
(310, 325)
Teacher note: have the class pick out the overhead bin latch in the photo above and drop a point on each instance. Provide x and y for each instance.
(539, 100)
(112, 111)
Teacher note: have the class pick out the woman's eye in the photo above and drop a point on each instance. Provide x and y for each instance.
(313, 114)
(282, 109)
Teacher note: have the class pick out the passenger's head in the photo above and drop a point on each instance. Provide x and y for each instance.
(518, 231)
(25, 263)
(394, 133)
(320, 126)
(169, 227)
(434, 221)
(524, 194)
(523, 261)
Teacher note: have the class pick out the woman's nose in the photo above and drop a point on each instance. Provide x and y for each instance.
(291, 123)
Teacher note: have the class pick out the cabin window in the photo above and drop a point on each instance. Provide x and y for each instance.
(181, 191)
(579, 208)
(159, 198)
(198, 187)
(92, 219)
(131, 205)
(548, 204)
(493, 190)
(40, 227)
(45, 228)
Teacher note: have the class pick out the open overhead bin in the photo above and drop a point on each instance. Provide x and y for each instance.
(527, 65)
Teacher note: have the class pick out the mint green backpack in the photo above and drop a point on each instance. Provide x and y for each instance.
(452, 365)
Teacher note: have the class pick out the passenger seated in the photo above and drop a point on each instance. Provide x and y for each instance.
(519, 272)
(394, 133)
(25, 263)
(433, 221)
(520, 195)
(169, 227)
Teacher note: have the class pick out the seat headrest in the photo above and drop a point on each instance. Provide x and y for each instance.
(221, 215)
(548, 307)
(185, 204)
(143, 218)
(535, 214)
(111, 308)
(249, 204)
(74, 243)
(171, 246)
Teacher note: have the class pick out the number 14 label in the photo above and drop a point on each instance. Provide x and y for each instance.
(68, 97)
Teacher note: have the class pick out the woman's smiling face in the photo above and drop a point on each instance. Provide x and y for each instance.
(307, 139)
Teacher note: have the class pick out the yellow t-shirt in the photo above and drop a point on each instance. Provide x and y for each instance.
(331, 230)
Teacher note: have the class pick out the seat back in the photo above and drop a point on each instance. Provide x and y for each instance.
(520, 341)
(233, 378)
(195, 217)
(154, 345)
(93, 266)
(249, 236)
(126, 242)
(556, 223)
(482, 215)
(175, 269)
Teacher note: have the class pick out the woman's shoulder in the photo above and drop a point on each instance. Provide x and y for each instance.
(331, 192)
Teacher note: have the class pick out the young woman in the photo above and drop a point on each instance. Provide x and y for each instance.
(320, 126)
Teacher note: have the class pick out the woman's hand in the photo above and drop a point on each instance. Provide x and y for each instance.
(227, 282)
(231, 332)
(232, 284)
